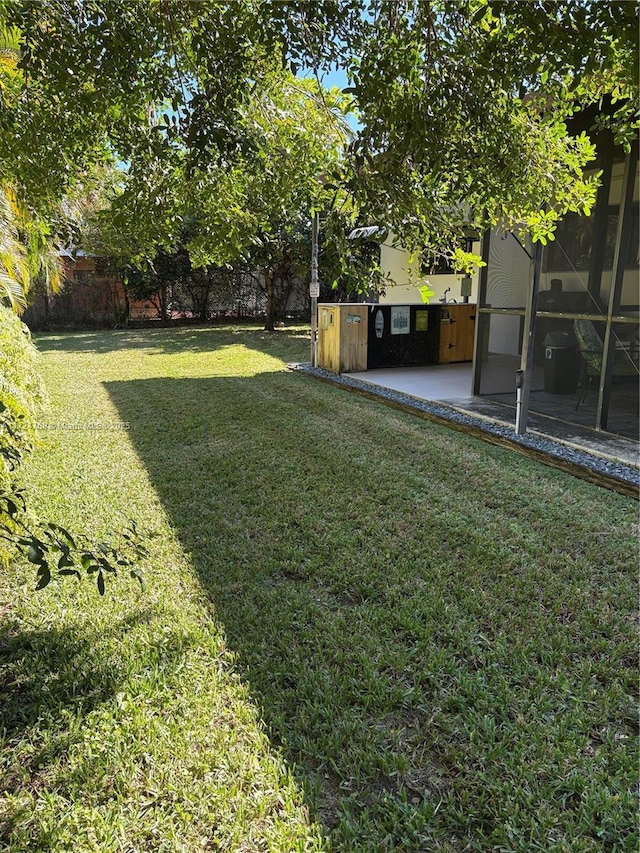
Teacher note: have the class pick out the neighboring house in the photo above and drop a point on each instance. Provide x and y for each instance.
(92, 295)
(89, 296)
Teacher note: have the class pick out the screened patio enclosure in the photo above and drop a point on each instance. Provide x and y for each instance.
(574, 322)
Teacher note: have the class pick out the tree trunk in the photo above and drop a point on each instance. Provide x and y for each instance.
(127, 306)
(163, 303)
(204, 301)
(270, 287)
(47, 307)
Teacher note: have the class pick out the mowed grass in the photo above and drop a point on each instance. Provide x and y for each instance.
(361, 632)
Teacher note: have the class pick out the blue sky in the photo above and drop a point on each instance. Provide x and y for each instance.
(338, 77)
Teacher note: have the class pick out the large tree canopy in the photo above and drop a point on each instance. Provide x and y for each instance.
(464, 109)
(463, 103)
(256, 207)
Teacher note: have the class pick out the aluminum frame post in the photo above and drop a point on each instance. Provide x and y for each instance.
(623, 233)
(526, 359)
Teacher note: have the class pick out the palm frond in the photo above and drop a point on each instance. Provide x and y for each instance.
(14, 268)
(12, 293)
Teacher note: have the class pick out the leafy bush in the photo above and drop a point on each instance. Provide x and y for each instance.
(49, 547)
(21, 392)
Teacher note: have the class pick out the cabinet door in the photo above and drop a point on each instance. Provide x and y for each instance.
(457, 328)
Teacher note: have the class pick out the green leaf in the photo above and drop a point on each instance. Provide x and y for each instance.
(64, 533)
(35, 554)
(137, 577)
(70, 572)
(426, 293)
(479, 15)
(44, 577)
(65, 560)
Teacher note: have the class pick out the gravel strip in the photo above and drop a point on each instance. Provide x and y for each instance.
(580, 459)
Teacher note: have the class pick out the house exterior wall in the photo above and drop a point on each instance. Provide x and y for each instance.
(404, 271)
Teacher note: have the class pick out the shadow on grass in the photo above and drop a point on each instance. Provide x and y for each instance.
(248, 473)
(173, 340)
(50, 683)
(397, 630)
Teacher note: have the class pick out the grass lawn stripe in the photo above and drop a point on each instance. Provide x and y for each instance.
(361, 631)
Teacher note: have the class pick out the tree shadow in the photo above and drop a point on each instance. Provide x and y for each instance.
(51, 681)
(368, 596)
(260, 538)
(257, 496)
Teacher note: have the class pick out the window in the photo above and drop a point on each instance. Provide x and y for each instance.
(441, 264)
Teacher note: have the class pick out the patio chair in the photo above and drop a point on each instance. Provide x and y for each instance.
(591, 349)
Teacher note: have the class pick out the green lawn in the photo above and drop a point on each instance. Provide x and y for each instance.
(361, 632)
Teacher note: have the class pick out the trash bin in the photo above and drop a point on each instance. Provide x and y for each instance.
(561, 363)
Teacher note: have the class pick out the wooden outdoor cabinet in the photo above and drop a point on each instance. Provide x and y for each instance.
(343, 336)
(457, 330)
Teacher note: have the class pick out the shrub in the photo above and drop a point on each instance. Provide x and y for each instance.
(49, 547)
(21, 393)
